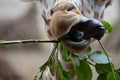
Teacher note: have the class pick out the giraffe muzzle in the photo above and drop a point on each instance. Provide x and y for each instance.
(80, 35)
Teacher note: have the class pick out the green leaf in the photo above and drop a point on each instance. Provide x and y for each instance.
(118, 72)
(65, 53)
(111, 76)
(50, 67)
(103, 68)
(85, 54)
(76, 65)
(102, 76)
(108, 27)
(82, 69)
(99, 57)
(51, 70)
(86, 70)
(64, 75)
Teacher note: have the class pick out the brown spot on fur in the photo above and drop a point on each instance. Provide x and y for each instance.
(102, 15)
(88, 11)
(96, 15)
(108, 3)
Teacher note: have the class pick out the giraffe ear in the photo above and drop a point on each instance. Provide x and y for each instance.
(108, 3)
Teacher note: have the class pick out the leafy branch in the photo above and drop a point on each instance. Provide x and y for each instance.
(81, 62)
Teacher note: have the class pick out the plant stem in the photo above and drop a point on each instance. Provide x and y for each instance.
(40, 78)
(106, 52)
(49, 59)
(53, 52)
(3, 42)
(57, 53)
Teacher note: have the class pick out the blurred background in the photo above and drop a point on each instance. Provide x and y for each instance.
(22, 20)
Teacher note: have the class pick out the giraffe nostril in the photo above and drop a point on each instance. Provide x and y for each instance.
(93, 28)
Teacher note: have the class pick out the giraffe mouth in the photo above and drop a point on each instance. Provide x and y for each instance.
(79, 36)
(75, 40)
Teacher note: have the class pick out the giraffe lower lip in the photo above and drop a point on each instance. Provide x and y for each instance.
(76, 46)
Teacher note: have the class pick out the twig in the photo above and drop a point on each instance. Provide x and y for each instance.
(3, 42)
(49, 59)
(106, 52)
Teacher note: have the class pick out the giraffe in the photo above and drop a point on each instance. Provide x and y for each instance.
(66, 17)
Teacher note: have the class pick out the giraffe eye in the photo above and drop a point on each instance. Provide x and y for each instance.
(51, 12)
(70, 8)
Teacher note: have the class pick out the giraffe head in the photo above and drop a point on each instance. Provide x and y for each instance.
(65, 21)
